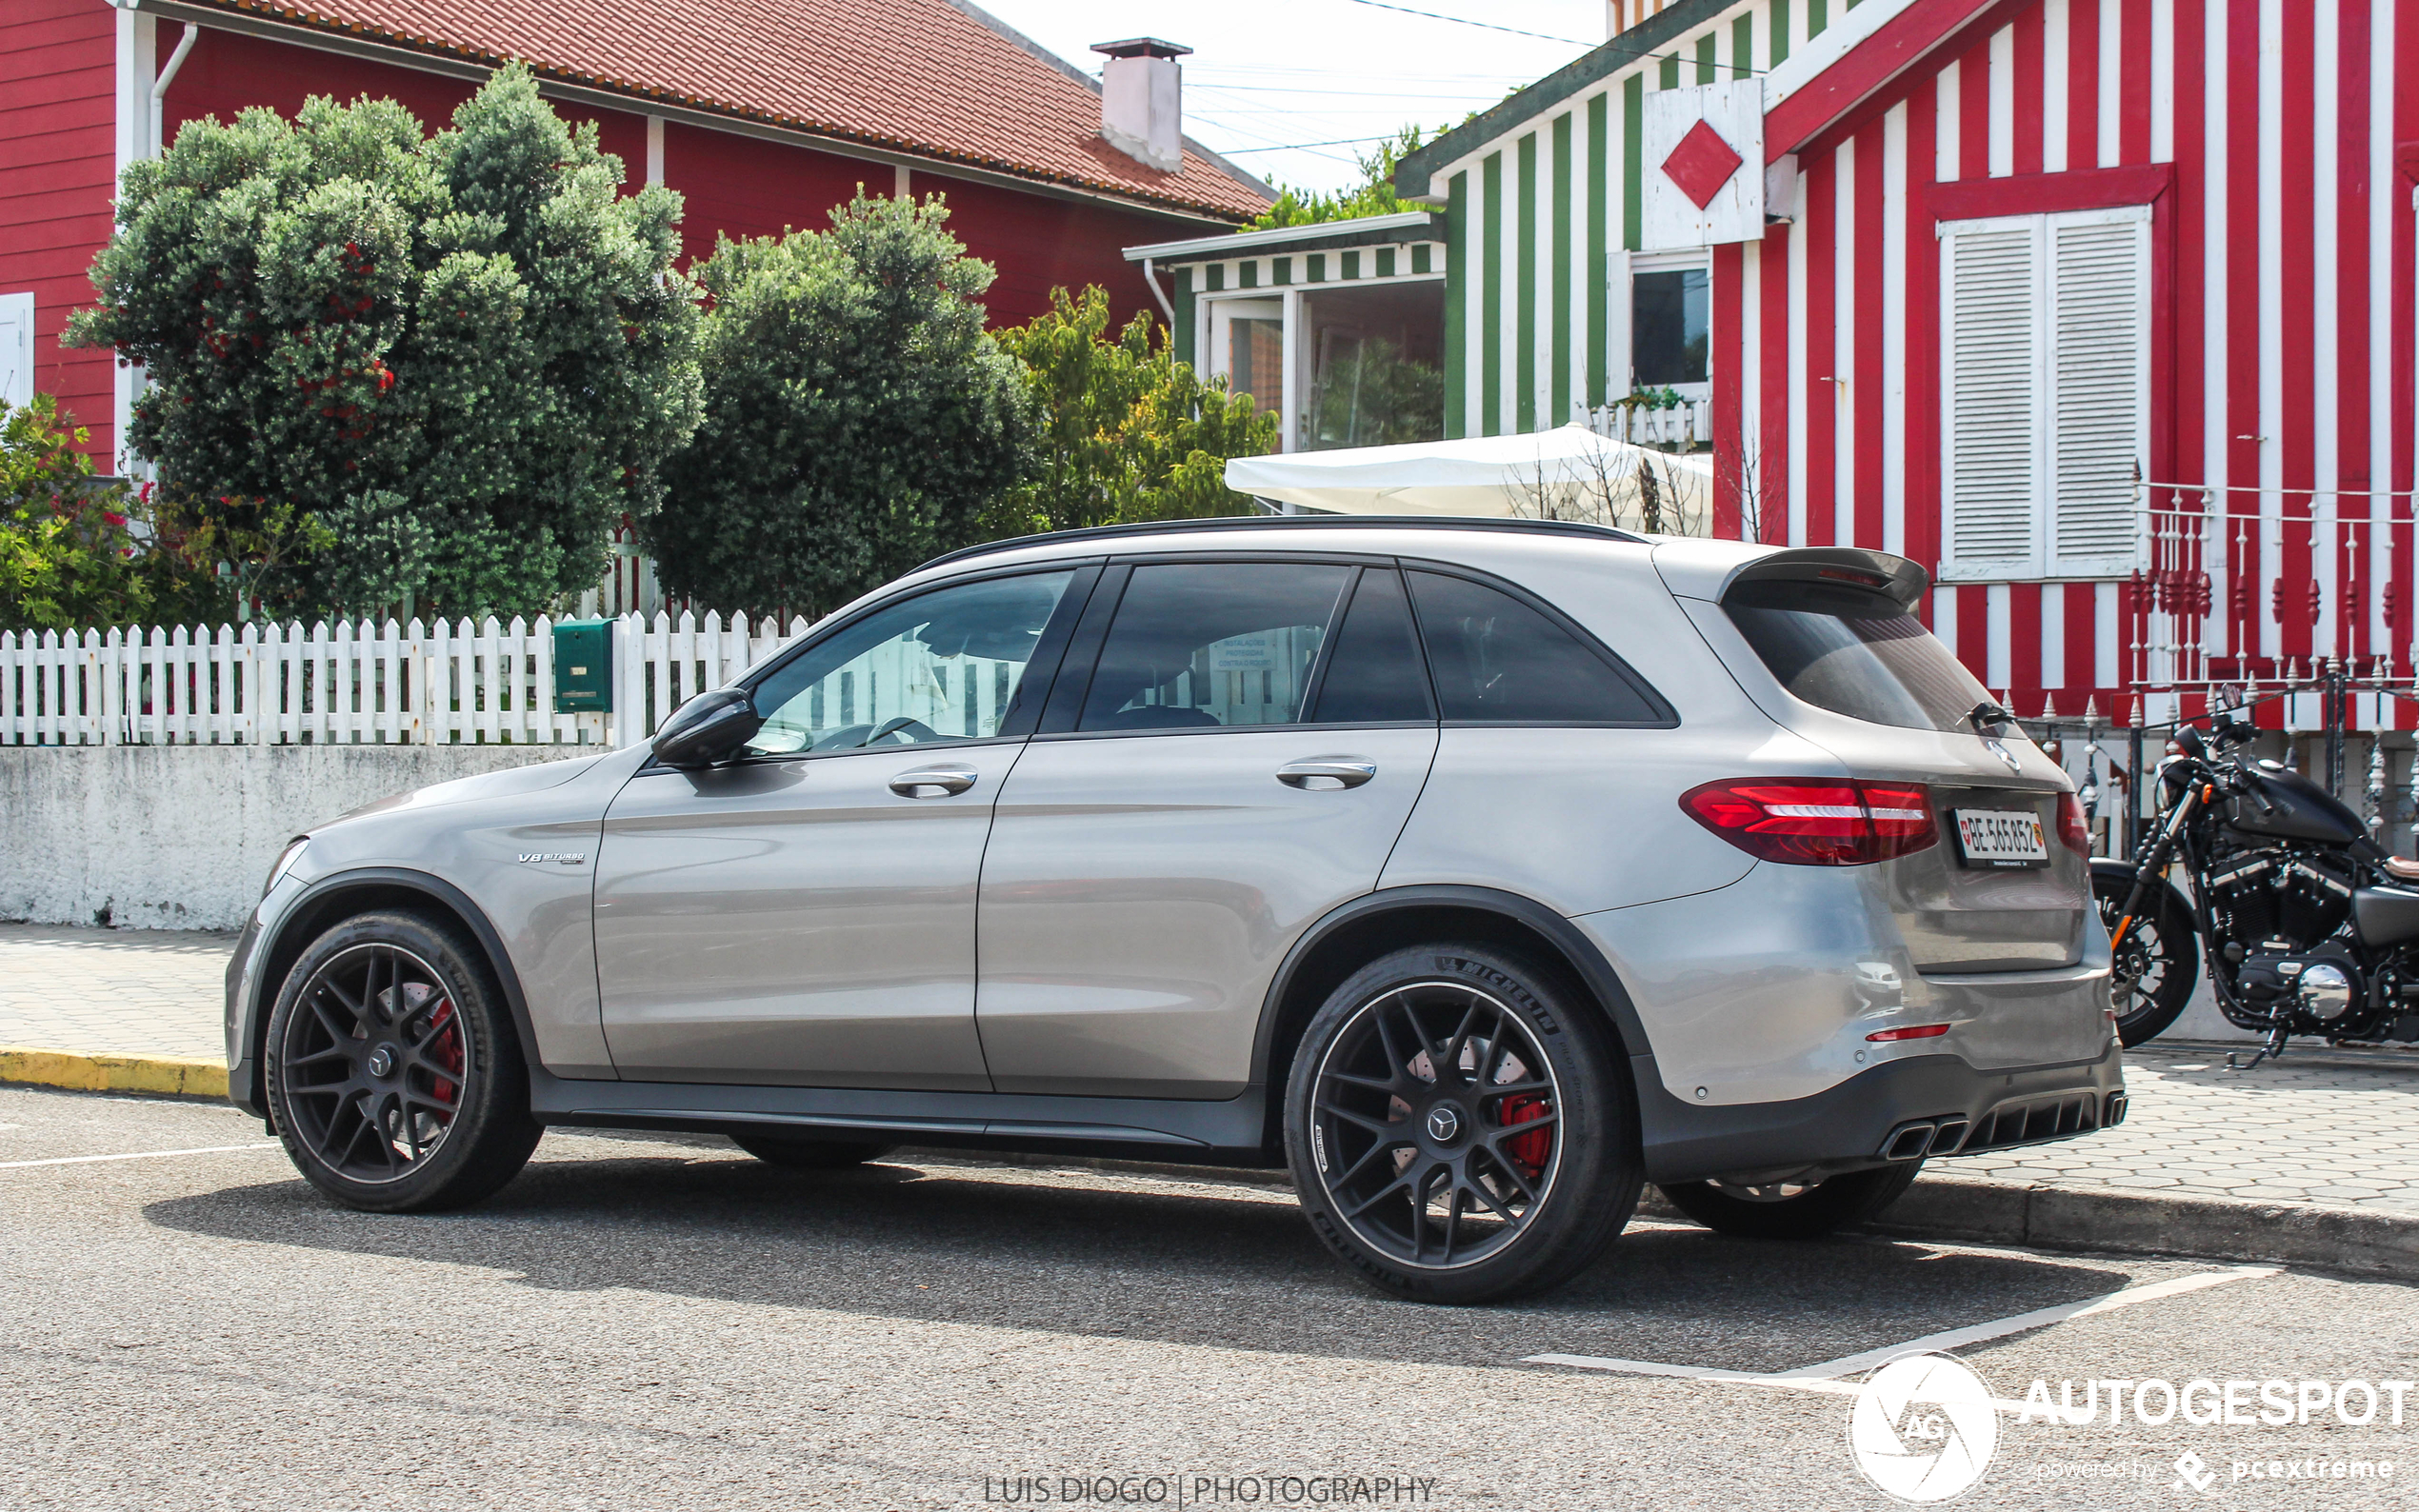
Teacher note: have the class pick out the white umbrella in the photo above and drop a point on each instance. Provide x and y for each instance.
(1570, 473)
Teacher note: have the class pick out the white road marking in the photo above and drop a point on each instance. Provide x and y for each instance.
(1825, 1377)
(140, 1155)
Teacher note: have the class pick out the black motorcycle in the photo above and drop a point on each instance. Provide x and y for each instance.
(2308, 925)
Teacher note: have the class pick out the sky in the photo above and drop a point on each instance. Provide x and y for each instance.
(1291, 88)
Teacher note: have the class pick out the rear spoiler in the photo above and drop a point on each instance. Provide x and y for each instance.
(1837, 566)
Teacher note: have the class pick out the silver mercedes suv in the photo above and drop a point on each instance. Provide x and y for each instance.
(1478, 873)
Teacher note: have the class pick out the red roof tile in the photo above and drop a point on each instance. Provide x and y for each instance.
(922, 77)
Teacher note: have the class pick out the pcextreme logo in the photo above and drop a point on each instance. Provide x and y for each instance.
(1923, 1428)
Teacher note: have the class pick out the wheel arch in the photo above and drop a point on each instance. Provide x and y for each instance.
(1368, 927)
(362, 890)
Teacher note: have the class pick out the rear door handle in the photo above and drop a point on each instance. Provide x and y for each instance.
(1327, 773)
(933, 782)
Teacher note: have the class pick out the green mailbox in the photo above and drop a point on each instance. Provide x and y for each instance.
(583, 667)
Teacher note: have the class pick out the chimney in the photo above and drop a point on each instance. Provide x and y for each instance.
(1142, 101)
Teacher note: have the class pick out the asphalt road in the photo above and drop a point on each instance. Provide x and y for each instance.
(643, 1323)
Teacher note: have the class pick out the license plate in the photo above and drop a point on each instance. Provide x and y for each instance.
(2001, 837)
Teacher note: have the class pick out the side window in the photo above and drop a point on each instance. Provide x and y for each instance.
(943, 666)
(1213, 644)
(1375, 675)
(1497, 660)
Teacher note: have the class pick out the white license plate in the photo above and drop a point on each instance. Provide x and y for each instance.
(2001, 837)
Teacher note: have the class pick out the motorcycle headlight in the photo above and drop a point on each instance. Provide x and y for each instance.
(286, 860)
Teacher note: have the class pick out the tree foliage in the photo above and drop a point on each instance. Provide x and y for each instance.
(857, 417)
(436, 365)
(68, 556)
(1374, 195)
(1128, 431)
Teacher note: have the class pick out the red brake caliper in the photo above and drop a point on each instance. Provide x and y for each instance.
(444, 1038)
(1529, 1149)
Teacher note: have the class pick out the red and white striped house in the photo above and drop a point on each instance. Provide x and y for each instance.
(2101, 309)
(762, 116)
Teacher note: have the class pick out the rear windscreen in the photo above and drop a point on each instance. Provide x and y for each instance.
(1855, 653)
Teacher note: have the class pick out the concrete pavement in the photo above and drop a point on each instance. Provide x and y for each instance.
(657, 1326)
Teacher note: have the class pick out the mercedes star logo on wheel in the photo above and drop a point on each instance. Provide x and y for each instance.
(1443, 1124)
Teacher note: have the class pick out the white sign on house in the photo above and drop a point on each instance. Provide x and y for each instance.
(1703, 152)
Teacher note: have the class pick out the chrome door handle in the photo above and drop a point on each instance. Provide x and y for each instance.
(933, 782)
(1327, 773)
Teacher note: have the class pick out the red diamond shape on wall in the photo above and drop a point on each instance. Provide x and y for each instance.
(1701, 164)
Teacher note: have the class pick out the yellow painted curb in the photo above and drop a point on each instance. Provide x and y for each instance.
(168, 1075)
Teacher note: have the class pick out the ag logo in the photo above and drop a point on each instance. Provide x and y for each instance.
(1923, 1428)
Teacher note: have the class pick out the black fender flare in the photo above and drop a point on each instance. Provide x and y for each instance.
(1578, 952)
(246, 1086)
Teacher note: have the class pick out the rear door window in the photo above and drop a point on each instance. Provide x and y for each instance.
(1855, 653)
(1199, 644)
(1375, 675)
(1496, 660)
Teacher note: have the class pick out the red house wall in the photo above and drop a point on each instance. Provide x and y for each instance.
(58, 164)
(1037, 243)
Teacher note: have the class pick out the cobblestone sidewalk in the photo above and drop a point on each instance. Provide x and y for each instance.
(2334, 1128)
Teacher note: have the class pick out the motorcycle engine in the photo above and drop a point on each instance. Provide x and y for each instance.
(2326, 985)
(2280, 902)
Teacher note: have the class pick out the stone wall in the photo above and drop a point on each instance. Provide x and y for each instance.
(181, 837)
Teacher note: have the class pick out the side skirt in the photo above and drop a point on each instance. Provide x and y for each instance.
(1221, 1133)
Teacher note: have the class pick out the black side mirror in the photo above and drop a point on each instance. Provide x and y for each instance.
(709, 729)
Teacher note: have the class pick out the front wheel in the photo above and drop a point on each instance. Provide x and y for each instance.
(2158, 959)
(1459, 1125)
(1792, 1210)
(393, 1068)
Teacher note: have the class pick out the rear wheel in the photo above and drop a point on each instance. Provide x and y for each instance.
(1459, 1126)
(810, 1155)
(394, 1070)
(1792, 1210)
(2158, 959)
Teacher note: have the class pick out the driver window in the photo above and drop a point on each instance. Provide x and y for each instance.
(944, 665)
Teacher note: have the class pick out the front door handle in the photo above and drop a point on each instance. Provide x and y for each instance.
(933, 782)
(1327, 773)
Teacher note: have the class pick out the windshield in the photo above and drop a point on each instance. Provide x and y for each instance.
(1855, 653)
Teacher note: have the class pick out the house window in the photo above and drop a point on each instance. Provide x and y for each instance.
(2045, 371)
(1671, 327)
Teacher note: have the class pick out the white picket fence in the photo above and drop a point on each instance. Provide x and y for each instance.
(1687, 424)
(357, 684)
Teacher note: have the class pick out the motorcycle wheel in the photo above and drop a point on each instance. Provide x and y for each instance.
(2158, 961)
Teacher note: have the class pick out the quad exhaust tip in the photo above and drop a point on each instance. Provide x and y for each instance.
(1912, 1141)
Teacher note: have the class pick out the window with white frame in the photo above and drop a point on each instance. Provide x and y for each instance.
(1671, 322)
(16, 349)
(2045, 401)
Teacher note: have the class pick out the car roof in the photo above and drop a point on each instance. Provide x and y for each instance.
(1232, 529)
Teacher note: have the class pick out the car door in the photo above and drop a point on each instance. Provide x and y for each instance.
(805, 916)
(1179, 823)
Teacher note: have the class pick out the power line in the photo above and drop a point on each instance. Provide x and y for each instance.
(1295, 147)
(1465, 21)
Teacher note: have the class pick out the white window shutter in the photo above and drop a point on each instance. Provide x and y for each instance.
(2099, 378)
(1992, 291)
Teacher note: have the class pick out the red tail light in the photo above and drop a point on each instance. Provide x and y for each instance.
(2074, 830)
(1920, 1031)
(1815, 821)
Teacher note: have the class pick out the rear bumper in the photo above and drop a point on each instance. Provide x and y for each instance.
(1872, 1117)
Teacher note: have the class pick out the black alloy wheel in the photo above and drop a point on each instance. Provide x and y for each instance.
(2155, 963)
(1787, 1209)
(1458, 1127)
(396, 1077)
